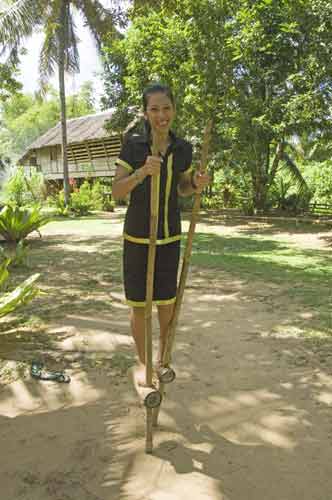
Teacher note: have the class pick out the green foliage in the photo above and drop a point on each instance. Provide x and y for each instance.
(81, 202)
(21, 189)
(18, 297)
(57, 201)
(26, 117)
(319, 179)
(21, 295)
(17, 222)
(8, 84)
(95, 196)
(101, 197)
(261, 69)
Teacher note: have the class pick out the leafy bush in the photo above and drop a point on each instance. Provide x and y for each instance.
(101, 197)
(81, 201)
(319, 180)
(17, 222)
(21, 190)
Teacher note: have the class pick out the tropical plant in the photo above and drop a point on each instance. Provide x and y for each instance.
(57, 201)
(60, 47)
(20, 189)
(319, 179)
(18, 297)
(8, 84)
(81, 201)
(24, 117)
(17, 222)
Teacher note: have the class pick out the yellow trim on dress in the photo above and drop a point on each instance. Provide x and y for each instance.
(124, 164)
(167, 193)
(165, 302)
(145, 241)
(189, 169)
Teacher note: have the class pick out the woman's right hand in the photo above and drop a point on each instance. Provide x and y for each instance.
(152, 165)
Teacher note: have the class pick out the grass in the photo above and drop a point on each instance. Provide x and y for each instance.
(304, 275)
(80, 264)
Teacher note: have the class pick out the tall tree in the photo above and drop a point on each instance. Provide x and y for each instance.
(261, 68)
(60, 47)
(8, 83)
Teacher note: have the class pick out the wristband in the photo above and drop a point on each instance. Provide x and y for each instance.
(137, 177)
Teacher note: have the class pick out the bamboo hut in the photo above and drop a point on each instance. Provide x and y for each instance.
(92, 150)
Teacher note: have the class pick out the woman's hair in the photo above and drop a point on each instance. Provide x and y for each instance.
(155, 88)
(139, 124)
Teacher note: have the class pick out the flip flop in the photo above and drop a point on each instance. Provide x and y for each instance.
(38, 371)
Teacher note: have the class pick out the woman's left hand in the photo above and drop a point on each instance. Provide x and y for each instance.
(201, 180)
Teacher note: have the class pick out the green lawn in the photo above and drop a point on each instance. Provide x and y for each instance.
(80, 264)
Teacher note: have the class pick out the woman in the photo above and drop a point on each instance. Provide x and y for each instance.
(135, 167)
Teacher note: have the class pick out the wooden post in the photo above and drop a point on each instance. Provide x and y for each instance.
(185, 267)
(154, 210)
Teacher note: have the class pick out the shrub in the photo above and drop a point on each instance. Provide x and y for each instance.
(319, 179)
(22, 190)
(81, 201)
(17, 222)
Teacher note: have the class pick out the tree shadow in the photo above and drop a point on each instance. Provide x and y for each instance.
(263, 225)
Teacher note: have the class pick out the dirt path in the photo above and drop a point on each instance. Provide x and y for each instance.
(248, 418)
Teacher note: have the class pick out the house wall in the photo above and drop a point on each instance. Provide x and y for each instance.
(94, 158)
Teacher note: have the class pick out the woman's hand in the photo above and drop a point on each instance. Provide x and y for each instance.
(200, 180)
(152, 165)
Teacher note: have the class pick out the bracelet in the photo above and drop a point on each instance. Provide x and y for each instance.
(137, 177)
(193, 185)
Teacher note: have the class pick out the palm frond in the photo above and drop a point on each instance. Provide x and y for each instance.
(97, 18)
(48, 57)
(294, 173)
(17, 22)
(71, 46)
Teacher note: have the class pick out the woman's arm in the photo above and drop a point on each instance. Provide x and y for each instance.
(124, 182)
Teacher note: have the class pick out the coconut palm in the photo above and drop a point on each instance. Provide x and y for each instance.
(55, 18)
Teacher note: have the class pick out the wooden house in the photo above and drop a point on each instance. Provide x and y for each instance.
(92, 150)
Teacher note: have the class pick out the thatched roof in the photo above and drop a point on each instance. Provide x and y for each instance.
(84, 128)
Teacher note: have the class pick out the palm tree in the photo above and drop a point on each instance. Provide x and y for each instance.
(60, 46)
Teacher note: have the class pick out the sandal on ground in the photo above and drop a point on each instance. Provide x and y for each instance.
(37, 371)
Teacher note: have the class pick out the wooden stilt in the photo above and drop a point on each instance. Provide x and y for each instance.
(150, 397)
(154, 209)
(184, 269)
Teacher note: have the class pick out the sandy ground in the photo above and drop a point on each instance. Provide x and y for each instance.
(248, 417)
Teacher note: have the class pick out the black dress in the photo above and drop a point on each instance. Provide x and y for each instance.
(177, 159)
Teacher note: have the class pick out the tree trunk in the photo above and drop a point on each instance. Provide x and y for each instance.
(61, 62)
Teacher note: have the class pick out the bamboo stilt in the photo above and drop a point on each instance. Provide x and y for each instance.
(185, 267)
(154, 209)
(150, 397)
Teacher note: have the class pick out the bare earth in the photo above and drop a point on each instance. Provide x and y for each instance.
(248, 417)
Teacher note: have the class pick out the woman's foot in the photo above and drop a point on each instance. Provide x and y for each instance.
(140, 375)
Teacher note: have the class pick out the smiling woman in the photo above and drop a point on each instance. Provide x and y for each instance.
(157, 153)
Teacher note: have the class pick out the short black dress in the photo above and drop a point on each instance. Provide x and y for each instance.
(177, 159)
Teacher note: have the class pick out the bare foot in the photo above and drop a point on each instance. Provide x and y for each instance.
(140, 376)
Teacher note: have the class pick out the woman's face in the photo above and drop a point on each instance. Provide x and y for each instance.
(160, 112)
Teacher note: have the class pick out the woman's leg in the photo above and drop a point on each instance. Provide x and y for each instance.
(165, 314)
